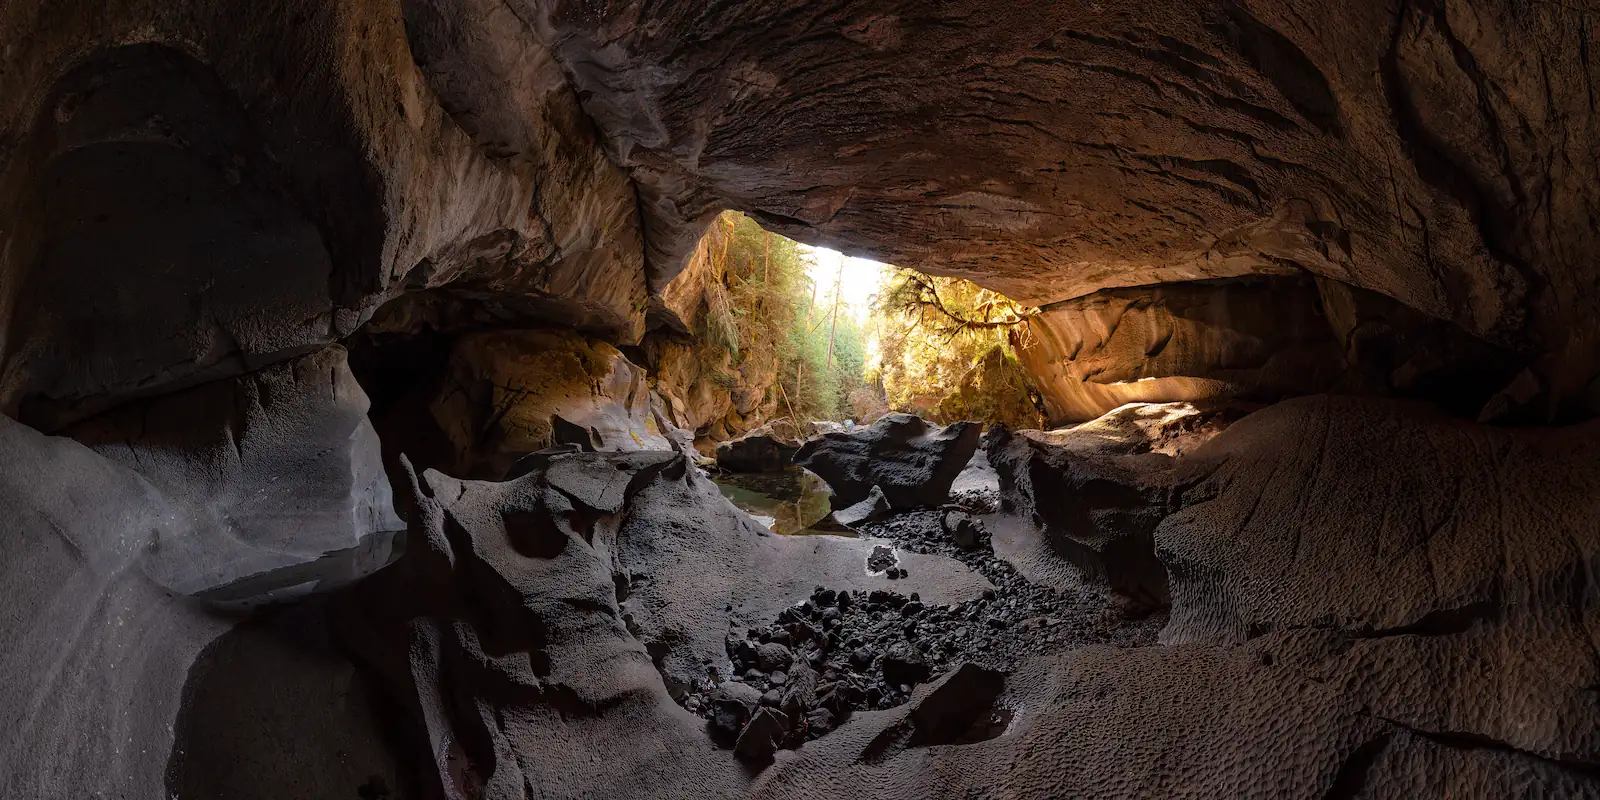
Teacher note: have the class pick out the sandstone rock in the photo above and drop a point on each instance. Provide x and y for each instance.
(910, 461)
(142, 260)
(1255, 338)
(1212, 140)
(515, 392)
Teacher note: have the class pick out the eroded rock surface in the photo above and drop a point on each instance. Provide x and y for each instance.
(271, 471)
(1386, 657)
(510, 393)
(912, 462)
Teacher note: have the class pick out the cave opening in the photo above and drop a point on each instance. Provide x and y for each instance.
(408, 399)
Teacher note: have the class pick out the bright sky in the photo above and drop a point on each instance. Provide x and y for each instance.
(858, 282)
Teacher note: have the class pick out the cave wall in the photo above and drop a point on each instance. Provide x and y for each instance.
(190, 193)
(1049, 150)
(199, 202)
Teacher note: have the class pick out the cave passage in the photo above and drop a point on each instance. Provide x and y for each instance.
(772, 399)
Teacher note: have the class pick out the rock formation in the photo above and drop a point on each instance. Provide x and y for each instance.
(510, 393)
(769, 448)
(912, 462)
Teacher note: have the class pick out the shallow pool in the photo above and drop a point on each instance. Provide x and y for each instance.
(788, 502)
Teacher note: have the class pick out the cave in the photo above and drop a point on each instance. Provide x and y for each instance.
(367, 436)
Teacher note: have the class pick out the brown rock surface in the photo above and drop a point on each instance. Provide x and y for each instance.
(1180, 342)
(190, 193)
(512, 392)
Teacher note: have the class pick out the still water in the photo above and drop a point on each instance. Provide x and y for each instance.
(788, 502)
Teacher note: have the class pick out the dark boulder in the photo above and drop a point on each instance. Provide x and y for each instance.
(765, 449)
(761, 736)
(872, 509)
(910, 460)
(903, 665)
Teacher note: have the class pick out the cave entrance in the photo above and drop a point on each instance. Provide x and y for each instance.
(760, 331)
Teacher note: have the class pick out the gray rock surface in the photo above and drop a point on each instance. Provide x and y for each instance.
(1386, 657)
(873, 508)
(911, 461)
(692, 567)
(115, 663)
(272, 471)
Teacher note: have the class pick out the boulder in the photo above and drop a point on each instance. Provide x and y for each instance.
(912, 462)
(874, 508)
(769, 448)
(761, 736)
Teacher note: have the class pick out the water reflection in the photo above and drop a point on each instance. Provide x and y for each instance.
(788, 502)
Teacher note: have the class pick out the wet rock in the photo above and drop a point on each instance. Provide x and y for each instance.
(911, 462)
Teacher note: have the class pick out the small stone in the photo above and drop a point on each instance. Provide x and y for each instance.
(998, 623)
(819, 721)
(752, 675)
(861, 658)
(911, 609)
(988, 594)
(779, 678)
(771, 698)
(831, 614)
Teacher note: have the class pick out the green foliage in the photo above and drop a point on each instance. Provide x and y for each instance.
(932, 332)
(763, 316)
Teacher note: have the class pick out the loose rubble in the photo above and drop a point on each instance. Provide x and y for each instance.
(839, 652)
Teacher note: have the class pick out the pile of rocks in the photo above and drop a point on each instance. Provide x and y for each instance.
(838, 652)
